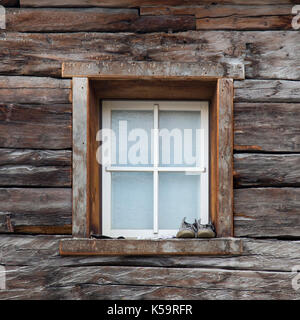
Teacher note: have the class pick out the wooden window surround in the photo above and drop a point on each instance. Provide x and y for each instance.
(93, 82)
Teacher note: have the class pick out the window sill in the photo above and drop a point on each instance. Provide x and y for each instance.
(112, 247)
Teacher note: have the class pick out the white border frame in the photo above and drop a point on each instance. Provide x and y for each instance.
(155, 106)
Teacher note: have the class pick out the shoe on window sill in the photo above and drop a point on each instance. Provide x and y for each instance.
(205, 230)
(187, 230)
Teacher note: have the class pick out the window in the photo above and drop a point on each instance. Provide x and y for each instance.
(152, 95)
(155, 166)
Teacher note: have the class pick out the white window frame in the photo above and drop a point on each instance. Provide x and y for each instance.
(202, 169)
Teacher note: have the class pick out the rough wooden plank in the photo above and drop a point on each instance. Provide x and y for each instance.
(264, 255)
(219, 11)
(100, 20)
(266, 91)
(43, 54)
(267, 170)
(225, 158)
(35, 126)
(21, 208)
(145, 283)
(26, 175)
(80, 153)
(35, 157)
(222, 246)
(37, 90)
(111, 70)
(269, 212)
(268, 58)
(141, 3)
(267, 127)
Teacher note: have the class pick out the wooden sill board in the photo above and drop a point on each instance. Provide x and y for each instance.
(111, 247)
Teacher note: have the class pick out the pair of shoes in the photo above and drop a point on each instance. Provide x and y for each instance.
(196, 230)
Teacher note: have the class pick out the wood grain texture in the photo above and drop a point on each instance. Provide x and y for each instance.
(80, 215)
(263, 255)
(266, 91)
(35, 126)
(9, 3)
(271, 127)
(38, 207)
(269, 212)
(100, 20)
(224, 246)
(160, 70)
(266, 170)
(35, 176)
(126, 283)
(35, 157)
(141, 3)
(34, 90)
(43, 54)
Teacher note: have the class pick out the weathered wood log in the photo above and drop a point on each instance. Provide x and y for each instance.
(26, 175)
(43, 54)
(126, 247)
(161, 70)
(140, 3)
(110, 282)
(267, 127)
(36, 90)
(23, 208)
(103, 20)
(265, 170)
(269, 212)
(35, 157)
(267, 91)
(231, 17)
(35, 126)
(265, 255)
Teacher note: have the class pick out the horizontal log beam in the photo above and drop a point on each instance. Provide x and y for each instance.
(263, 170)
(271, 127)
(140, 3)
(224, 246)
(35, 210)
(266, 91)
(100, 20)
(269, 212)
(35, 126)
(161, 70)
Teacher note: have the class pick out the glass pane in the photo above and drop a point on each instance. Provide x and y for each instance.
(133, 137)
(132, 200)
(178, 133)
(179, 197)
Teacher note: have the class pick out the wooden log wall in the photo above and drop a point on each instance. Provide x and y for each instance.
(36, 143)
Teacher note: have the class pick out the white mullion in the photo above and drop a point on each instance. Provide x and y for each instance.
(155, 172)
(187, 170)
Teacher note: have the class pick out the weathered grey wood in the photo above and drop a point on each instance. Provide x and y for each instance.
(264, 255)
(267, 212)
(270, 59)
(96, 19)
(43, 54)
(267, 91)
(35, 126)
(35, 157)
(34, 208)
(80, 154)
(145, 283)
(263, 170)
(224, 246)
(145, 69)
(37, 90)
(137, 3)
(27, 175)
(267, 127)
